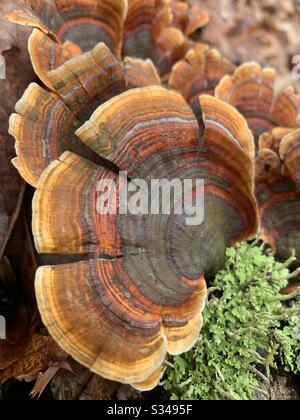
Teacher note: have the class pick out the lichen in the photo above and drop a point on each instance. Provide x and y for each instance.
(250, 330)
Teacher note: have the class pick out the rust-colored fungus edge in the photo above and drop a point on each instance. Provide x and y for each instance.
(199, 73)
(146, 29)
(277, 190)
(251, 91)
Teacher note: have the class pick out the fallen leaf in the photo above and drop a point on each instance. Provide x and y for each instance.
(39, 354)
(15, 314)
(81, 384)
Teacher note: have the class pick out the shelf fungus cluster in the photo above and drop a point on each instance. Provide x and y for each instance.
(154, 29)
(199, 72)
(278, 190)
(51, 118)
(138, 290)
(274, 120)
(251, 90)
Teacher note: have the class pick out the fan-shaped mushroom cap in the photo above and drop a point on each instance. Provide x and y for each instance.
(251, 90)
(88, 80)
(278, 194)
(139, 28)
(83, 22)
(140, 73)
(271, 139)
(187, 17)
(289, 151)
(42, 127)
(88, 22)
(148, 34)
(139, 292)
(267, 164)
(64, 29)
(47, 55)
(45, 122)
(39, 14)
(111, 326)
(199, 72)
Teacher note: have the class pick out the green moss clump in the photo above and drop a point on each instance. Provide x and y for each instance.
(249, 329)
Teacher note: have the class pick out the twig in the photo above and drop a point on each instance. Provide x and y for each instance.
(260, 391)
(290, 260)
(84, 385)
(295, 273)
(292, 295)
(256, 241)
(227, 394)
(258, 373)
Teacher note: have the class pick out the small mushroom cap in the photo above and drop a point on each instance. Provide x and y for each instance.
(289, 152)
(38, 141)
(277, 191)
(148, 33)
(251, 90)
(272, 139)
(229, 120)
(64, 29)
(187, 17)
(279, 217)
(29, 16)
(86, 81)
(47, 55)
(199, 73)
(140, 73)
(267, 163)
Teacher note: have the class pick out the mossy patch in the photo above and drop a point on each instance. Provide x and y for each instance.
(250, 329)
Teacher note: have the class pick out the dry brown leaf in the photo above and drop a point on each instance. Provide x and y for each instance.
(40, 353)
(15, 313)
(81, 384)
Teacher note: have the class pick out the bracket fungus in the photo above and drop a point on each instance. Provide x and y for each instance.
(251, 91)
(199, 72)
(188, 17)
(138, 291)
(81, 23)
(65, 29)
(137, 28)
(45, 121)
(148, 33)
(277, 190)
